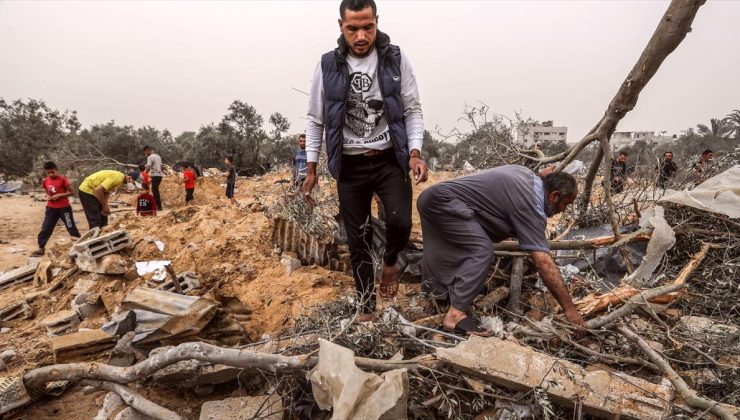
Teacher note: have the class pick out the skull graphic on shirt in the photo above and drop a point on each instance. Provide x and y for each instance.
(363, 112)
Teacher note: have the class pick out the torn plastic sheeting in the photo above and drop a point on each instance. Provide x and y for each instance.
(662, 239)
(10, 186)
(156, 267)
(354, 394)
(718, 194)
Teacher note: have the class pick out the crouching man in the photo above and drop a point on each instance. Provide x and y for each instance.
(462, 218)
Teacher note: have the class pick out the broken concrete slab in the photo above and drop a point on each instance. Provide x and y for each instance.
(519, 367)
(112, 264)
(163, 315)
(13, 393)
(62, 322)
(71, 346)
(18, 310)
(120, 323)
(86, 304)
(243, 408)
(124, 354)
(18, 276)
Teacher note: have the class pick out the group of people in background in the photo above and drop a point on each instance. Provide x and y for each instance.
(666, 170)
(95, 190)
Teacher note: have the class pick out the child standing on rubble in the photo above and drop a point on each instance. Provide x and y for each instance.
(230, 178)
(188, 177)
(146, 179)
(146, 205)
(57, 189)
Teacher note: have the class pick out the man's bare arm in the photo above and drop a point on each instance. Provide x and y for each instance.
(554, 282)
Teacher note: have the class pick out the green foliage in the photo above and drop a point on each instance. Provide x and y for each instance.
(29, 132)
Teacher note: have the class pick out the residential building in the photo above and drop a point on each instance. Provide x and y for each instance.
(622, 139)
(529, 134)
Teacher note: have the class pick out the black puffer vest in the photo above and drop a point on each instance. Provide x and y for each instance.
(335, 73)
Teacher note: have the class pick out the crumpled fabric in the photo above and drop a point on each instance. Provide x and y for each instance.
(353, 393)
(662, 239)
(719, 194)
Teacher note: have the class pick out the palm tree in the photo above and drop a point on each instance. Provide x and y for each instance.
(733, 118)
(718, 128)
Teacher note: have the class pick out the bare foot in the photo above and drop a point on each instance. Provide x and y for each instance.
(389, 281)
(454, 322)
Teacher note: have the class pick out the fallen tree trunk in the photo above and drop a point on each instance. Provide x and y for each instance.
(600, 242)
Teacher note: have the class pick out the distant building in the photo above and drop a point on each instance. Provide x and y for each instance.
(529, 134)
(622, 139)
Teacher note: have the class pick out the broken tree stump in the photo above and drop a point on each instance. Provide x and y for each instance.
(601, 393)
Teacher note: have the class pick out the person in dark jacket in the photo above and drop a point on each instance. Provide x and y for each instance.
(667, 169)
(619, 172)
(364, 96)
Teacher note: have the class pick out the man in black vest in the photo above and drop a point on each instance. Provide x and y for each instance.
(364, 95)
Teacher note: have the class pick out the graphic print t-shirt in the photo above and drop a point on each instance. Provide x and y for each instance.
(365, 122)
(145, 204)
(60, 185)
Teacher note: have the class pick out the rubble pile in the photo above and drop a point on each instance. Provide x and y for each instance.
(217, 311)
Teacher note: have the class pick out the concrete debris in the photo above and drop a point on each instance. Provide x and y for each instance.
(193, 374)
(86, 304)
(62, 322)
(4, 330)
(18, 310)
(243, 408)
(157, 267)
(601, 393)
(339, 384)
(701, 325)
(113, 264)
(72, 346)
(18, 276)
(111, 405)
(188, 282)
(87, 252)
(124, 354)
(43, 275)
(7, 355)
(130, 414)
(13, 393)
(163, 315)
(290, 261)
(120, 323)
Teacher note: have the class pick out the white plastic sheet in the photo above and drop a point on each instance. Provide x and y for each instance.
(353, 393)
(156, 267)
(719, 194)
(662, 239)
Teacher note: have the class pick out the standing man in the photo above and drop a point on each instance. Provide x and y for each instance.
(94, 193)
(154, 165)
(619, 172)
(462, 218)
(364, 95)
(57, 189)
(667, 169)
(230, 178)
(300, 168)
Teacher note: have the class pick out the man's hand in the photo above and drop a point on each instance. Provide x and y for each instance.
(575, 318)
(419, 169)
(106, 210)
(307, 188)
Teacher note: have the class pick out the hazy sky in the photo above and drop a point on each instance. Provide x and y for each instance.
(178, 64)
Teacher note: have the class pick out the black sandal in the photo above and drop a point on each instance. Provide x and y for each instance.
(467, 326)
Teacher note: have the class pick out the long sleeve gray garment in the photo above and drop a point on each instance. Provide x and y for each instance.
(411, 103)
(508, 201)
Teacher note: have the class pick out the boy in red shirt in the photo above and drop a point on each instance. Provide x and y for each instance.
(146, 179)
(146, 205)
(57, 189)
(188, 177)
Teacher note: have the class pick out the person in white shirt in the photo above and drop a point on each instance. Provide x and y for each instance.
(154, 166)
(365, 99)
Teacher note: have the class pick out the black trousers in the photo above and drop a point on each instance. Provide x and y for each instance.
(51, 218)
(156, 180)
(189, 194)
(93, 210)
(362, 177)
